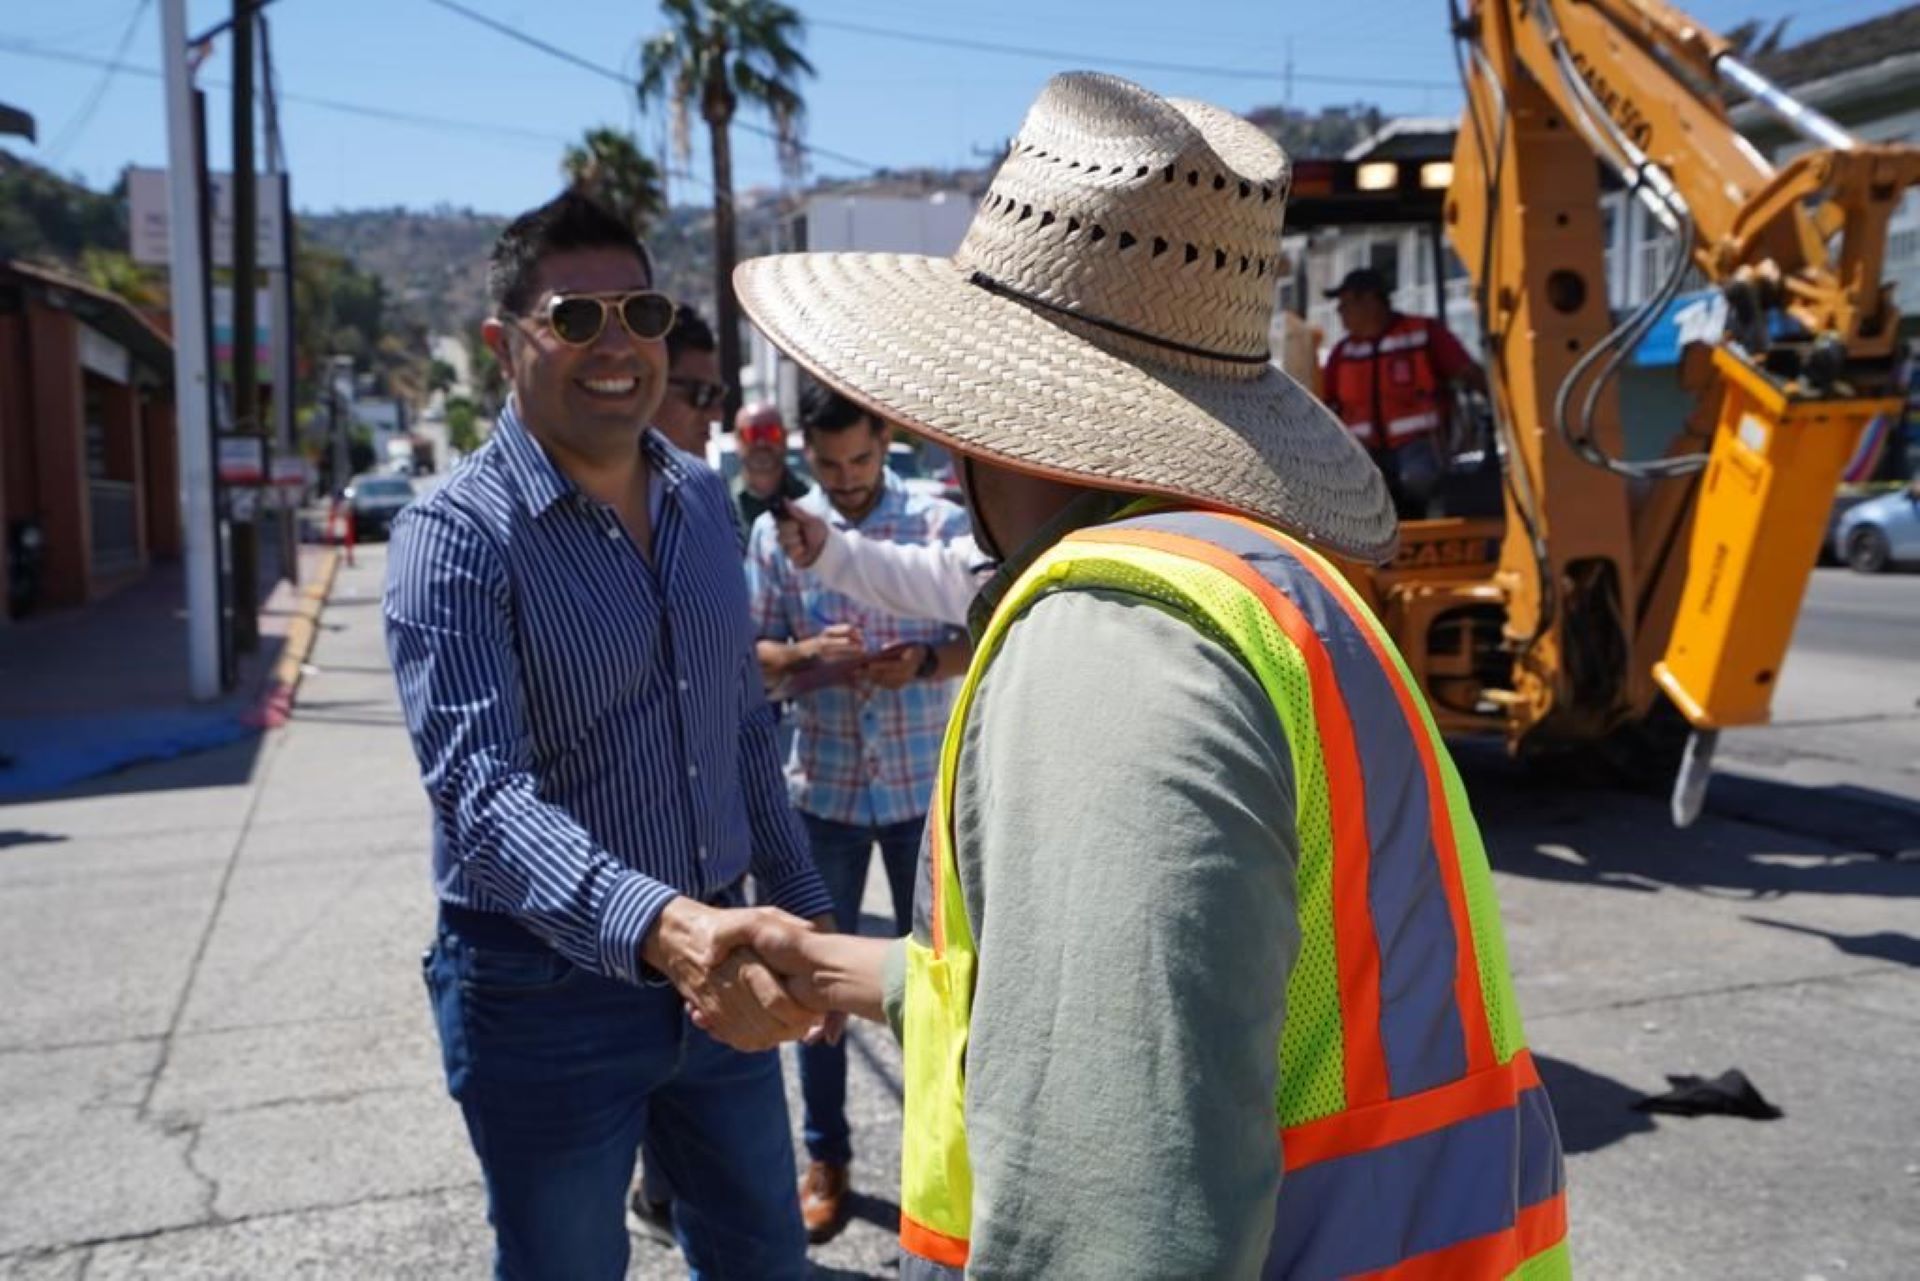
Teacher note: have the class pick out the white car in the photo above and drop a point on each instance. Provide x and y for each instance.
(1880, 532)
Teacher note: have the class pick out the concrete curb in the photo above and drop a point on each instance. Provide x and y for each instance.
(276, 702)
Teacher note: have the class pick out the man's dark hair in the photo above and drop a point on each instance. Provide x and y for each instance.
(568, 222)
(822, 409)
(690, 332)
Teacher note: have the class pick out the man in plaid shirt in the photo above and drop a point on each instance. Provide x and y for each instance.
(867, 746)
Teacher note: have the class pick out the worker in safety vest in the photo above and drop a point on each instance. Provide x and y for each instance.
(1206, 977)
(1390, 381)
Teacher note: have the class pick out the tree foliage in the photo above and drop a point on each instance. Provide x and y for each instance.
(606, 165)
(713, 57)
(463, 425)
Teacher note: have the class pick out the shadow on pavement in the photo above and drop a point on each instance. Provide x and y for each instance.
(9, 840)
(1884, 945)
(1593, 1111)
(229, 766)
(881, 1212)
(1624, 841)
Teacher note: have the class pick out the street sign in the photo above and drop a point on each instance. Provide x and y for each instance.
(262, 333)
(148, 218)
(290, 471)
(242, 460)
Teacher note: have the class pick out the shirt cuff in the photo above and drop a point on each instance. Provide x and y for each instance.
(800, 892)
(626, 918)
(893, 988)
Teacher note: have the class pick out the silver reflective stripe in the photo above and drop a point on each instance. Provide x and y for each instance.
(1412, 424)
(1421, 1032)
(1404, 342)
(915, 1268)
(1374, 1209)
(923, 887)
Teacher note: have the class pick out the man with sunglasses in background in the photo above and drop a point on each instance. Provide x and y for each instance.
(765, 481)
(568, 624)
(694, 390)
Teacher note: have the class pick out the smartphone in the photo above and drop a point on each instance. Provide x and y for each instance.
(779, 508)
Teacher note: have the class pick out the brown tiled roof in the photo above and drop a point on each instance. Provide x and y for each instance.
(1860, 45)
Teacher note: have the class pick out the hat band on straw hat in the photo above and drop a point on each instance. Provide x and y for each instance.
(1000, 288)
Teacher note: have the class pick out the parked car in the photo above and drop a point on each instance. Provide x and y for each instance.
(1881, 532)
(376, 500)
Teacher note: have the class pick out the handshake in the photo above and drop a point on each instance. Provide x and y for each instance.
(754, 977)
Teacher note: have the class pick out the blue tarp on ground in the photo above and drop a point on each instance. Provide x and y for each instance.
(53, 752)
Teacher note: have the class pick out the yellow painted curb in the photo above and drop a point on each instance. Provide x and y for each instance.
(304, 630)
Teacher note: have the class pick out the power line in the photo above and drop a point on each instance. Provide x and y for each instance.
(23, 49)
(78, 125)
(628, 82)
(552, 51)
(1078, 58)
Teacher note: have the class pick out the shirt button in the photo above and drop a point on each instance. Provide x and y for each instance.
(682, 684)
(612, 532)
(703, 853)
(693, 771)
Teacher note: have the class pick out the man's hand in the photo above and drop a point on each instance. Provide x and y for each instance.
(824, 971)
(897, 671)
(835, 643)
(802, 536)
(730, 991)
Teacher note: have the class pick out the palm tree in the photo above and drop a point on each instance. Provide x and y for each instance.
(714, 56)
(607, 166)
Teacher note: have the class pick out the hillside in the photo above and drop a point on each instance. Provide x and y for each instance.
(433, 263)
(430, 265)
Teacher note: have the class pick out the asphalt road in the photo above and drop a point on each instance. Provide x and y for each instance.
(216, 1061)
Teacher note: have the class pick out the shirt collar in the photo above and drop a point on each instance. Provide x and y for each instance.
(542, 483)
(1094, 507)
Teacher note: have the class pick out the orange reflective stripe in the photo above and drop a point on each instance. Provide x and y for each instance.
(918, 1238)
(1395, 1121)
(1466, 983)
(1535, 1229)
(1356, 949)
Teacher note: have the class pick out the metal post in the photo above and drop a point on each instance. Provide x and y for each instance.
(246, 402)
(280, 276)
(192, 406)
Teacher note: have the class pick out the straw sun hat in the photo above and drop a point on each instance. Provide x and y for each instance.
(1105, 320)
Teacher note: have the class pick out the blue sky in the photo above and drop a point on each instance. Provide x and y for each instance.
(504, 111)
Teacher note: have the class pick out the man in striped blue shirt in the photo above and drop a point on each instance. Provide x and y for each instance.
(568, 624)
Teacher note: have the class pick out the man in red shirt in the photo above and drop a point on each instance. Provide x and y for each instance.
(1390, 381)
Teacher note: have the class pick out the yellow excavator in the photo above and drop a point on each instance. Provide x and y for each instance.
(1602, 593)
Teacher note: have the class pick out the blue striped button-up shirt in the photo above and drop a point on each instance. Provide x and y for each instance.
(591, 728)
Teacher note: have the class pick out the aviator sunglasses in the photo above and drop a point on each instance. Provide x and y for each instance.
(577, 319)
(698, 392)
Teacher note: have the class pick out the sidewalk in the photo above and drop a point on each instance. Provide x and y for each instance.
(84, 692)
(215, 1054)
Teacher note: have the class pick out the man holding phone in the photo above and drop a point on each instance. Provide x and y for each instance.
(867, 733)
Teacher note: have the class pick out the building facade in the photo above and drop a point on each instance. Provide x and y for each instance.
(89, 484)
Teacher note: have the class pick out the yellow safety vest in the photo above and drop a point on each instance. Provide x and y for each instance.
(1416, 1138)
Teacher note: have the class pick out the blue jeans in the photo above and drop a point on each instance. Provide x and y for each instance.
(842, 852)
(560, 1073)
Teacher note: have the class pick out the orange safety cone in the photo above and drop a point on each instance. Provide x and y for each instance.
(340, 526)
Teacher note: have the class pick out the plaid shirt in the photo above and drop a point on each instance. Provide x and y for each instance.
(859, 757)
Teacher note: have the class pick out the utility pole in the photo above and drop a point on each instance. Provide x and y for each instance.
(246, 402)
(192, 402)
(280, 276)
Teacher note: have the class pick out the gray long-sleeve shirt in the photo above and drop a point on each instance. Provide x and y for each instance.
(1124, 820)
